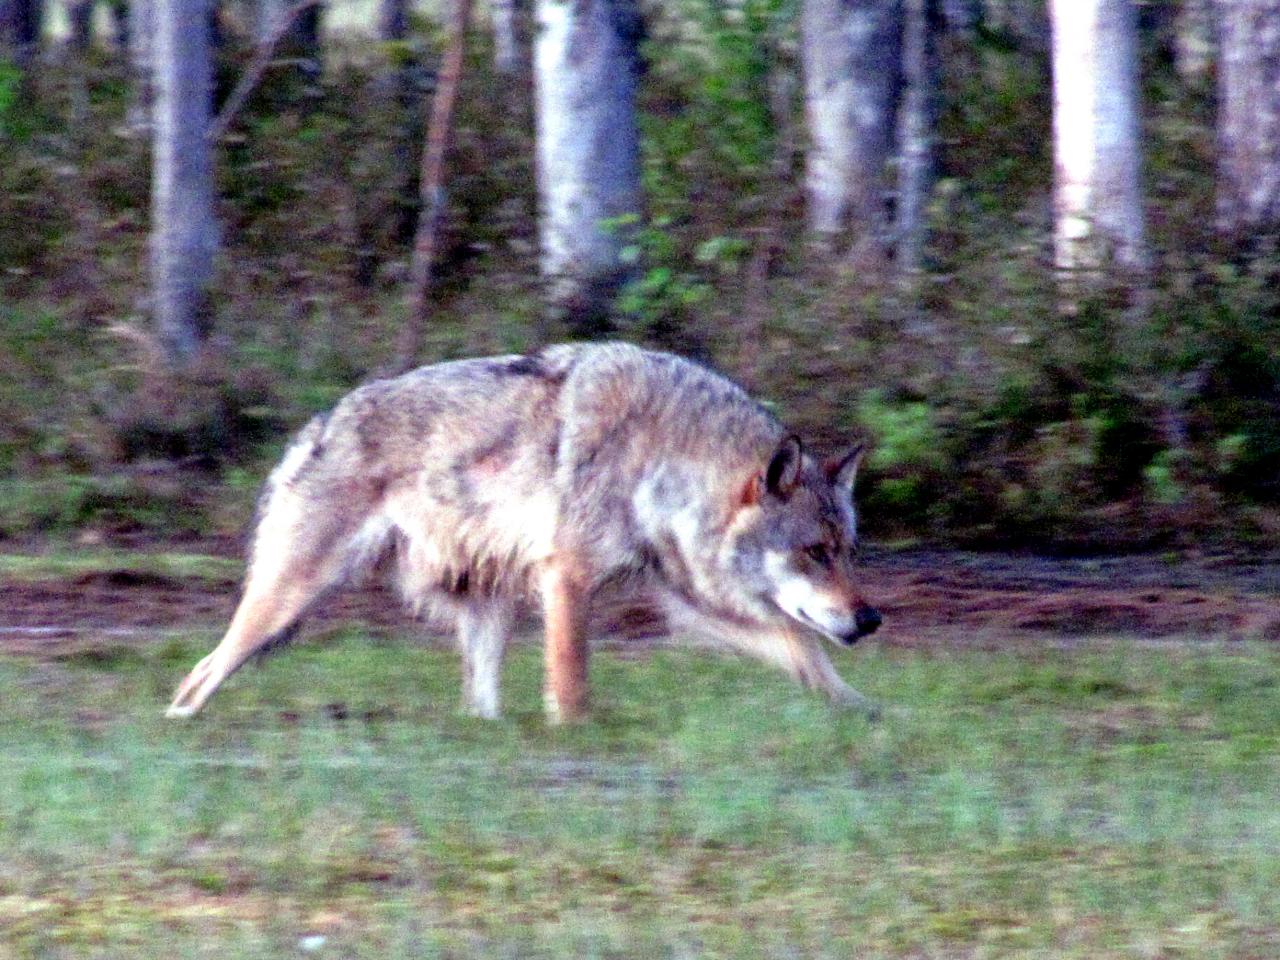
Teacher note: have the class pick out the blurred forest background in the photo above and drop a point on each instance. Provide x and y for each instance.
(1028, 250)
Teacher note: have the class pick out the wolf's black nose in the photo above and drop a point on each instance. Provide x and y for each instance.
(867, 620)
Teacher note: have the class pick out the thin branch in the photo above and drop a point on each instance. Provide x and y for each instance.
(432, 192)
(252, 75)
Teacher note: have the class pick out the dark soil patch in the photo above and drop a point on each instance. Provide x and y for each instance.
(927, 597)
(1142, 596)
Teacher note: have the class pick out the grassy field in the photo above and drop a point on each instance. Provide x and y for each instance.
(1104, 799)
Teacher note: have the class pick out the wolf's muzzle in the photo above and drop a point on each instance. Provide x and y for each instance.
(865, 622)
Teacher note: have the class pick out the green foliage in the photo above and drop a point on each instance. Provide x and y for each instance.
(80, 562)
(1161, 475)
(665, 295)
(10, 86)
(120, 504)
(904, 433)
(709, 120)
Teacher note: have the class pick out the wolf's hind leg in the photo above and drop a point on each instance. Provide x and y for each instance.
(484, 626)
(297, 558)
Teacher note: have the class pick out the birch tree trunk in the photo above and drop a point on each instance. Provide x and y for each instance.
(852, 60)
(118, 29)
(80, 26)
(917, 138)
(141, 28)
(588, 150)
(1098, 220)
(1249, 118)
(962, 16)
(184, 234)
(508, 56)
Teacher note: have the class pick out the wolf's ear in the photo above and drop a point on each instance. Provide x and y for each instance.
(783, 472)
(779, 477)
(842, 470)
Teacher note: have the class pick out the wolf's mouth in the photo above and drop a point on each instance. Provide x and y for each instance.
(813, 624)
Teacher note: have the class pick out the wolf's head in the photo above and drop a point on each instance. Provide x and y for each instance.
(795, 542)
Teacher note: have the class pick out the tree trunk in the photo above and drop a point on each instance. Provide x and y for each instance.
(588, 151)
(393, 21)
(392, 30)
(432, 190)
(917, 136)
(79, 41)
(1023, 23)
(300, 43)
(962, 16)
(1098, 221)
(852, 61)
(1249, 118)
(21, 23)
(184, 234)
(395, 214)
(508, 47)
(80, 25)
(141, 29)
(118, 18)
(1194, 41)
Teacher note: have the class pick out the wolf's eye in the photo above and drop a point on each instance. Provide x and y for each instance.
(819, 554)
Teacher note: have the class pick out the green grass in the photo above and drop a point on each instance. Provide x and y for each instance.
(59, 564)
(1104, 800)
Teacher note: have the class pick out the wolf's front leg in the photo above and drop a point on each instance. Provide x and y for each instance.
(799, 653)
(564, 613)
(810, 665)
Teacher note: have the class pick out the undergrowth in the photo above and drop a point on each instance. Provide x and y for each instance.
(995, 416)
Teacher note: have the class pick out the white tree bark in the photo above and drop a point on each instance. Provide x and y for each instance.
(851, 57)
(141, 28)
(1249, 117)
(588, 149)
(184, 233)
(962, 16)
(118, 26)
(508, 60)
(1098, 220)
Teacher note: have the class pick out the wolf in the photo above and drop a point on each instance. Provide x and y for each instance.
(571, 479)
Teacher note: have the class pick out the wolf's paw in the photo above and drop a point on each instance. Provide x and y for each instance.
(480, 711)
(849, 699)
(560, 715)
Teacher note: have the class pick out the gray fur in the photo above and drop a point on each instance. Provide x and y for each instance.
(641, 472)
